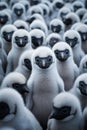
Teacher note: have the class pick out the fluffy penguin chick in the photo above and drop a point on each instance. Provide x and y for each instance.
(73, 38)
(20, 43)
(67, 69)
(6, 34)
(16, 81)
(66, 113)
(24, 65)
(83, 65)
(80, 89)
(44, 83)
(37, 38)
(13, 112)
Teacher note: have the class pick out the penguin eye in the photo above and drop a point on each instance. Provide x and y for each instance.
(25, 37)
(67, 51)
(37, 59)
(75, 39)
(49, 58)
(81, 83)
(56, 52)
(67, 39)
(4, 33)
(16, 38)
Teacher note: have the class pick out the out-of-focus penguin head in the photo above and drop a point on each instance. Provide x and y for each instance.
(26, 4)
(62, 51)
(57, 4)
(3, 5)
(81, 12)
(77, 5)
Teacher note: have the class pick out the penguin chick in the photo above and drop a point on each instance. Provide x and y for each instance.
(18, 12)
(5, 18)
(13, 112)
(64, 56)
(20, 24)
(37, 38)
(80, 89)
(3, 5)
(38, 24)
(73, 38)
(24, 65)
(52, 39)
(77, 5)
(80, 12)
(57, 26)
(83, 65)
(26, 4)
(66, 113)
(16, 81)
(70, 19)
(44, 83)
(82, 30)
(3, 56)
(6, 34)
(20, 43)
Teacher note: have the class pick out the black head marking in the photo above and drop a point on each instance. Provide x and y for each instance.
(3, 19)
(36, 42)
(8, 36)
(83, 88)
(53, 41)
(2, 7)
(60, 113)
(59, 5)
(85, 65)
(27, 63)
(56, 29)
(68, 21)
(72, 42)
(18, 12)
(62, 55)
(21, 41)
(83, 35)
(44, 62)
(30, 20)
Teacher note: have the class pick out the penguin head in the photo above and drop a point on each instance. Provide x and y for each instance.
(45, 9)
(73, 38)
(82, 30)
(26, 4)
(11, 104)
(52, 39)
(21, 39)
(66, 107)
(5, 18)
(39, 24)
(57, 4)
(37, 38)
(77, 5)
(18, 9)
(80, 85)
(16, 81)
(7, 32)
(83, 64)
(20, 24)
(80, 12)
(41, 60)
(25, 60)
(57, 26)
(62, 51)
(3, 5)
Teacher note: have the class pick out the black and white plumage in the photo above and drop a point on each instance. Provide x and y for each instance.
(20, 43)
(80, 12)
(80, 89)
(26, 4)
(24, 65)
(20, 24)
(64, 57)
(37, 38)
(5, 18)
(18, 12)
(15, 114)
(6, 34)
(3, 5)
(52, 39)
(82, 29)
(44, 83)
(83, 65)
(66, 113)
(39, 24)
(77, 5)
(73, 38)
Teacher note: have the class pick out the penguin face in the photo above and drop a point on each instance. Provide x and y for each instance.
(56, 26)
(3, 18)
(25, 60)
(62, 51)
(7, 32)
(52, 39)
(25, 3)
(20, 38)
(83, 35)
(81, 84)
(63, 108)
(77, 5)
(18, 9)
(72, 37)
(9, 104)
(3, 5)
(58, 4)
(16, 81)
(43, 61)
(37, 38)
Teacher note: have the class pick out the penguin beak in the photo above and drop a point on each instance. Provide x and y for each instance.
(43, 63)
(62, 55)
(21, 42)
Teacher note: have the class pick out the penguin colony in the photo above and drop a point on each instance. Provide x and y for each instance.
(43, 64)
